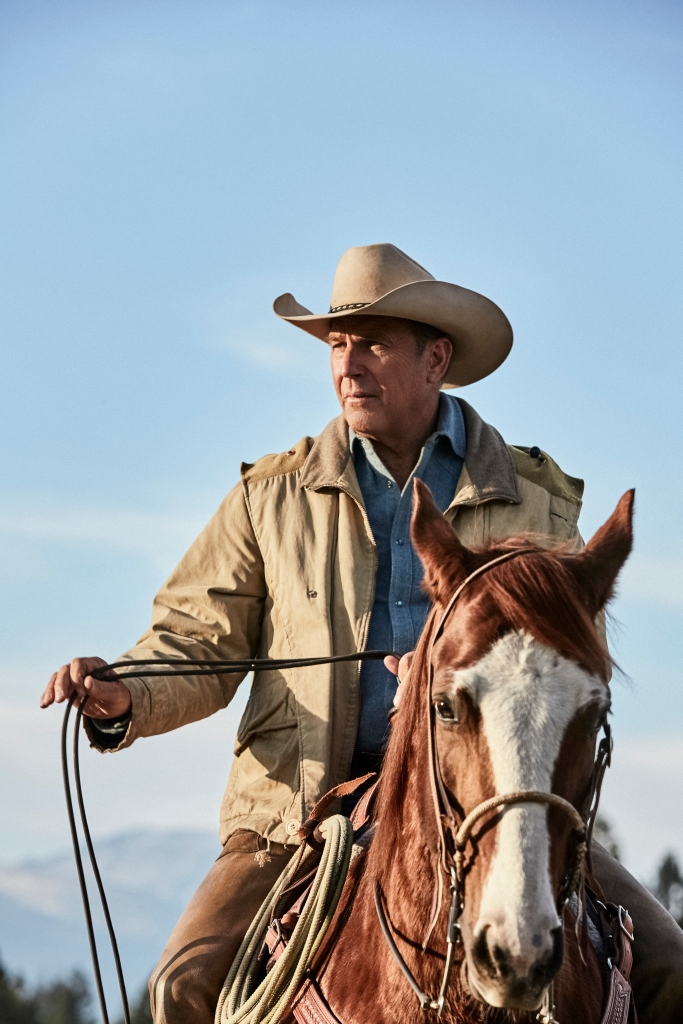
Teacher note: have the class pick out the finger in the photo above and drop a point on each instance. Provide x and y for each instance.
(106, 699)
(404, 665)
(82, 667)
(391, 663)
(49, 694)
(63, 684)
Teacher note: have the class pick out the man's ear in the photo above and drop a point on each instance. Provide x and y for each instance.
(444, 558)
(596, 568)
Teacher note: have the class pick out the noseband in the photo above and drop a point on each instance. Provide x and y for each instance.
(452, 854)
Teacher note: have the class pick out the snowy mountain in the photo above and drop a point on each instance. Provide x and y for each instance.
(148, 878)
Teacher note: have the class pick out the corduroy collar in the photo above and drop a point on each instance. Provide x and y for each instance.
(488, 473)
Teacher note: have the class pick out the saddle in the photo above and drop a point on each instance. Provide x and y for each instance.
(288, 909)
(609, 929)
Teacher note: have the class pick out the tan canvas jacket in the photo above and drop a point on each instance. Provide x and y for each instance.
(286, 568)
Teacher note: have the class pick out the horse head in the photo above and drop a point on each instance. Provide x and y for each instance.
(519, 693)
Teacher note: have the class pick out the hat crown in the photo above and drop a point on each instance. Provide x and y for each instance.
(367, 272)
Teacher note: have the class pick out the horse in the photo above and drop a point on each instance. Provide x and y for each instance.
(507, 695)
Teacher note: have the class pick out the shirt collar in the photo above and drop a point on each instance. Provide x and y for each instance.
(449, 425)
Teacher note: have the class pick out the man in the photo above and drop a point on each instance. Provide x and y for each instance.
(310, 555)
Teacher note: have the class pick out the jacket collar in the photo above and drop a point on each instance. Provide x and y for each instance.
(329, 462)
(488, 473)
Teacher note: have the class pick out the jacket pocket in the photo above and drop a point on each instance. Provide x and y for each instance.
(270, 709)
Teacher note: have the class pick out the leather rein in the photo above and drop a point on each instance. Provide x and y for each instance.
(452, 854)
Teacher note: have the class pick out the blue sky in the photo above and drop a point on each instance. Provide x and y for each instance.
(169, 168)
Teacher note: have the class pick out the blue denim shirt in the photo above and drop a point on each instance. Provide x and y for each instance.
(401, 607)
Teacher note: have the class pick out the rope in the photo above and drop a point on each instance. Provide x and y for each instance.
(239, 1002)
(213, 667)
(171, 667)
(79, 864)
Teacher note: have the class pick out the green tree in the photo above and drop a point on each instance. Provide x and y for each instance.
(140, 1012)
(604, 833)
(63, 1002)
(15, 1005)
(669, 887)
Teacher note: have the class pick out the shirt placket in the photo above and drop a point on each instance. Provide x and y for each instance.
(401, 575)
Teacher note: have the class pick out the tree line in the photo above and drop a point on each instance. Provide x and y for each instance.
(59, 1002)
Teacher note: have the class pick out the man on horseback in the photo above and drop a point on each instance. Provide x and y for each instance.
(310, 555)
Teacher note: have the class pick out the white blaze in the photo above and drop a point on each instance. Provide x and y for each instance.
(527, 695)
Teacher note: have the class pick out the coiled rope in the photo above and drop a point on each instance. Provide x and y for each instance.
(239, 1002)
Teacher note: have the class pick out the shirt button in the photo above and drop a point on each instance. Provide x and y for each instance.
(292, 826)
(400, 541)
(400, 604)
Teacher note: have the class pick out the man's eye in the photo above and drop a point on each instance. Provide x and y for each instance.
(445, 711)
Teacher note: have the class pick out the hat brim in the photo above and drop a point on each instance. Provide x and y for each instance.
(478, 329)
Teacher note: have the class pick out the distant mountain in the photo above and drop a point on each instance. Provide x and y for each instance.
(148, 878)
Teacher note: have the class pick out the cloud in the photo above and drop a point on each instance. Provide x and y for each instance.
(158, 538)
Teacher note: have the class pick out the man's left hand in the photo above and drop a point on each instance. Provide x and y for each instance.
(401, 669)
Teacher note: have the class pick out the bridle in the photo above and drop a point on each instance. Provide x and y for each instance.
(454, 837)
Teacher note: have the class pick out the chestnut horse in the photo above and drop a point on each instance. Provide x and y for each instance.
(509, 689)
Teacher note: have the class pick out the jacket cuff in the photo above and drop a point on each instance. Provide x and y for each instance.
(111, 734)
(110, 731)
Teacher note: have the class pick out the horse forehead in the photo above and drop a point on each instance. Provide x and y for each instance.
(519, 676)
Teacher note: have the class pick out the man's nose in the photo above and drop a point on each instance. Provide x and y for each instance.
(351, 365)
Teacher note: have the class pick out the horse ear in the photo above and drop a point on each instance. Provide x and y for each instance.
(596, 568)
(441, 553)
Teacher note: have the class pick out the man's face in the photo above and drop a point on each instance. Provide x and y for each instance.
(380, 376)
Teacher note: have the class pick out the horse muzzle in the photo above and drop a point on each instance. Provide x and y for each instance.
(495, 976)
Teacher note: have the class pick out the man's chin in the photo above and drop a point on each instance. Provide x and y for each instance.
(363, 414)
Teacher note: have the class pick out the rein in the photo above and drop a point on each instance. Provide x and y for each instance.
(452, 859)
(210, 667)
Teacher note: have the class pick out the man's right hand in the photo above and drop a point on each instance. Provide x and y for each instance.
(107, 698)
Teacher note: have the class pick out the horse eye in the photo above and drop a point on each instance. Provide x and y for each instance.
(597, 721)
(444, 711)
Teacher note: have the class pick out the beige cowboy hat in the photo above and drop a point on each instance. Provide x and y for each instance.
(381, 280)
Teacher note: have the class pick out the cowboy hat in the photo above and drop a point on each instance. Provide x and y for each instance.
(380, 280)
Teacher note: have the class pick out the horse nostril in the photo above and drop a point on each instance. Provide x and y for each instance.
(545, 969)
(489, 956)
(481, 954)
(558, 949)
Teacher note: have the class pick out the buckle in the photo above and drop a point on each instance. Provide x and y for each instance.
(620, 912)
(273, 936)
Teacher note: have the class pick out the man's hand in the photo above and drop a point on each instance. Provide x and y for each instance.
(107, 699)
(401, 669)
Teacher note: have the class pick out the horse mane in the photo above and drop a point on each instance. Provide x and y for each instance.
(538, 594)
